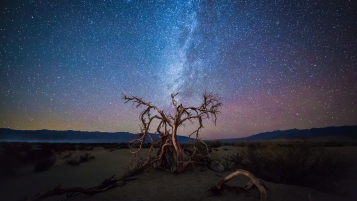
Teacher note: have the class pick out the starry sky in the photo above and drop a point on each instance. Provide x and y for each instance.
(275, 65)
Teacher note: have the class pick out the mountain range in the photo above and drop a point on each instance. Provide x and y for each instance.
(71, 136)
(10, 135)
(332, 133)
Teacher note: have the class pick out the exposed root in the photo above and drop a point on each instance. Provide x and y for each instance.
(258, 183)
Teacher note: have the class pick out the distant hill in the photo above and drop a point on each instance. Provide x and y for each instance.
(334, 133)
(9, 135)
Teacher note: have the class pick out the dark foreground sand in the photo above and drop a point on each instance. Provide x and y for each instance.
(155, 184)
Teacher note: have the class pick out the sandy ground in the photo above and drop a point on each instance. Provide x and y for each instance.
(158, 185)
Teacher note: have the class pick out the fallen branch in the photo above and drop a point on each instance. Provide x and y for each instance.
(258, 183)
(107, 184)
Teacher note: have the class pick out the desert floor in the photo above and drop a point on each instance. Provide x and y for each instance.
(159, 185)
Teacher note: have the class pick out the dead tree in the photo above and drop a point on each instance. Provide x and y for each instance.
(170, 153)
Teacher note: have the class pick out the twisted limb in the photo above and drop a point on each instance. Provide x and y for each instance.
(253, 180)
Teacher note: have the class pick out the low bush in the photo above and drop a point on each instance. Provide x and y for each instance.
(123, 146)
(215, 144)
(85, 157)
(72, 161)
(62, 147)
(229, 144)
(78, 160)
(82, 147)
(16, 155)
(67, 155)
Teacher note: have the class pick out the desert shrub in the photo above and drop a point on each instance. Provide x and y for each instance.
(67, 155)
(234, 162)
(72, 161)
(61, 147)
(106, 146)
(90, 148)
(202, 148)
(156, 145)
(228, 144)
(146, 145)
(123, 146)
(42, 158)
(81, 159)
(16, 155)
(134, 145)
(82, 147)
(85, 157)
(44, 164)
(215, 144)
(334, 144)
(300, 163)
(241, 144)
(109, 146)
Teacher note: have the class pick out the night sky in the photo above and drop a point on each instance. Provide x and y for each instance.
(275, 65)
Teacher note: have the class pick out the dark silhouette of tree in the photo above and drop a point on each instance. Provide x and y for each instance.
(170, 154)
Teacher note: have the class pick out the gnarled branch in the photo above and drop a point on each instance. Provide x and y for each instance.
(258, 183)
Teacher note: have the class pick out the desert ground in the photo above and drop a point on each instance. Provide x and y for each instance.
(155, 184)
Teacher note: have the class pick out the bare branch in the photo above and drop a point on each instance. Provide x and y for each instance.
(174, 102)
(107, 184)
(138, 102)
(258, 183)
(209, 107)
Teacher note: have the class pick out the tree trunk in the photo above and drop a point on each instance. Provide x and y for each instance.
(180, 166)
(179, 159)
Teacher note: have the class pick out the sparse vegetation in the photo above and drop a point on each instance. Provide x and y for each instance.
(214, 144)
(78, 160)
(85, 157)
(123, 146)
(298, 162)
(15, 155)
(72, 161)
(67, 155)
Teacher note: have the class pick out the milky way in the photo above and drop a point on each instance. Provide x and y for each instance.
(275, 65)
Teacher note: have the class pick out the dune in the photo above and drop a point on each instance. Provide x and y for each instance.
(154, 184)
